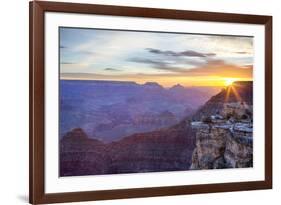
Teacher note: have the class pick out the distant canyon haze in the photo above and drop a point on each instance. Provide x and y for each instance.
(111, 110)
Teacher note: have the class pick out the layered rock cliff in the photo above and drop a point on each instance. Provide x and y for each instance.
(224, 134)
(80, 155)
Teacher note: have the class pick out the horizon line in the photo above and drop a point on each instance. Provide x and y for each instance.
(127, 81)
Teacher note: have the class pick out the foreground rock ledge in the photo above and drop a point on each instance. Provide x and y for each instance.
(224, 141)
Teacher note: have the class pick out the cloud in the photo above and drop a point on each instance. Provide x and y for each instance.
(112, 69)
(179, 65)
(157, 64)
(222, 69)
(68, 63)
(146, 61)
(242, 52)
(186, 53)
(210, 67)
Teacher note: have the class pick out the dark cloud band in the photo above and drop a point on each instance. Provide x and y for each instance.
(187, 53)
(112, 69)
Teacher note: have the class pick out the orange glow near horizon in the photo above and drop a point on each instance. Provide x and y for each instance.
(165, 81)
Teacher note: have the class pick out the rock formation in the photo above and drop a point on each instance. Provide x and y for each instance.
(224, 140)
(80, 155)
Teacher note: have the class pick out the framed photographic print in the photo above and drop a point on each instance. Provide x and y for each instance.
(139, 102)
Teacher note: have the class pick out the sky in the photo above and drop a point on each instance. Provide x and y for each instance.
(165, 58)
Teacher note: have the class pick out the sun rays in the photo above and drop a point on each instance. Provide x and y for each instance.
(231, 90)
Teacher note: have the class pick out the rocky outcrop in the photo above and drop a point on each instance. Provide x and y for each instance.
(224, 140)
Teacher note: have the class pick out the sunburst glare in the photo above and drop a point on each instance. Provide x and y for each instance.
(229, 81)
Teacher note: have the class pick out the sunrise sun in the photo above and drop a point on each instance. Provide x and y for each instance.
(229, 81)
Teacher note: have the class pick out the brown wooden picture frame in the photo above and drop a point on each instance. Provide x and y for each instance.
(37, 193)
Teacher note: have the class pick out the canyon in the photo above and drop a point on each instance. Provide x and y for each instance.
(218, 135)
